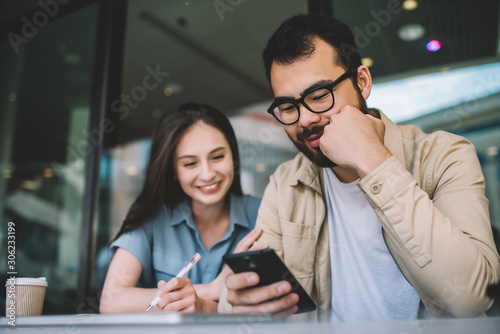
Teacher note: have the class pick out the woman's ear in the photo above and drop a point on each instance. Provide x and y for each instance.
(364, 81)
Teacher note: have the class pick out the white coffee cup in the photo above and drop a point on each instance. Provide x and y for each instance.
(25, 296)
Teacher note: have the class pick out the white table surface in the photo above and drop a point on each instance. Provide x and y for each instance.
(237, 324)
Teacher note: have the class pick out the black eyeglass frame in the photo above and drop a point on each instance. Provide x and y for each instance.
(329, 87)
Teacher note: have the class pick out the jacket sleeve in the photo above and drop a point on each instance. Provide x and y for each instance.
(440, 235)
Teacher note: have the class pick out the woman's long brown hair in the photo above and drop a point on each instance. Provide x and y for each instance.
(160, 187)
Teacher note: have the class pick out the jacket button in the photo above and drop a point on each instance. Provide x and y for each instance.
(376, 188)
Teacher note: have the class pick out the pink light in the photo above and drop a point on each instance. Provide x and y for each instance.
(433, 45)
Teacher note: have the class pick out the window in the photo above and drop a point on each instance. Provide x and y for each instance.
(45, 98)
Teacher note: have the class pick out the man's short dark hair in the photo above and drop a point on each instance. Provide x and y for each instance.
(294, 39)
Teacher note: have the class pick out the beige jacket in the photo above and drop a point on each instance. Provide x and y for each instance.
(429, 198)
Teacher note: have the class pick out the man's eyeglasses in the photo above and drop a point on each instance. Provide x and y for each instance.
(317, 100)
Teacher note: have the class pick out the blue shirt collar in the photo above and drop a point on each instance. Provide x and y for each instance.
(182, 213)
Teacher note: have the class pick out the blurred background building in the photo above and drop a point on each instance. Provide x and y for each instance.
(83, 83)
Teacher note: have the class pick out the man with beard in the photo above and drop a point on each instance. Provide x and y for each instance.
(376, 221)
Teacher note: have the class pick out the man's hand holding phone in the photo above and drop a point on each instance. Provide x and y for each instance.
(273, 299)
(262, 283)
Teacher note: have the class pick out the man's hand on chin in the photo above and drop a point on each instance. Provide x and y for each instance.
(355, 140)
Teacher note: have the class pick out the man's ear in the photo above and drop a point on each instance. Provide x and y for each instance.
(364, 81)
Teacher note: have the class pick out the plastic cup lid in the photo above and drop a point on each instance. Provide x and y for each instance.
(41, 281)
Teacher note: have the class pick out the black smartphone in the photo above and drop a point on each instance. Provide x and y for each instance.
(494, 290)
(270, 269)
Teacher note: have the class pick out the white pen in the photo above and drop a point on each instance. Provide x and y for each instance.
(181, 273)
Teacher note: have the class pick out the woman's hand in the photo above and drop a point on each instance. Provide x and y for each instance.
(179, 294)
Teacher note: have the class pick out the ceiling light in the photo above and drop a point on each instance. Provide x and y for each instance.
(168, 91)
(367, 61)
(172, 88)
(410, 4)
(411, 32)
(47, 173)
(433, 45)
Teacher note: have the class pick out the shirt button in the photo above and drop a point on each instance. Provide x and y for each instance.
(208, 271)
(376, 188)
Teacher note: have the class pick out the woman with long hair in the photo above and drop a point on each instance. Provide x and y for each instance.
(191, 202)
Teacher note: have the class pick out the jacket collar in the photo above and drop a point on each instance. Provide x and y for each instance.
(393, 138)
(306, 173)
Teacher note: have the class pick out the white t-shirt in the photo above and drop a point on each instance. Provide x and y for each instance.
(367, 285)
